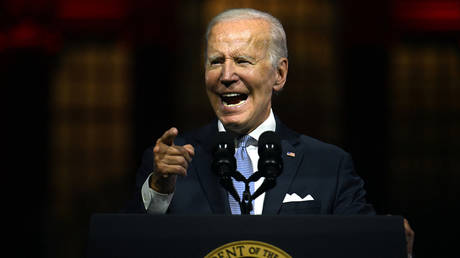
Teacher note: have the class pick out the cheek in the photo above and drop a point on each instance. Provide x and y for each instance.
(265, 77)
(207, 79)
(264, 86)
(211, 76)
(207, 82)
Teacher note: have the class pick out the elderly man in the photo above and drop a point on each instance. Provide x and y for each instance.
(246, 62)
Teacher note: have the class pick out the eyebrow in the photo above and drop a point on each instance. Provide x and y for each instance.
(245, 57)
(236, 56)
(215, 56)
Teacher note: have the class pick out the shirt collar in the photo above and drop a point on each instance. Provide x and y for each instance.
(268, 125)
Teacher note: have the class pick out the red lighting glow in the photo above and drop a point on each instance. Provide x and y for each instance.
(428, 15)
(92, 10)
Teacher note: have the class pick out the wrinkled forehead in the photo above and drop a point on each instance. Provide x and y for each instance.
(239, 33)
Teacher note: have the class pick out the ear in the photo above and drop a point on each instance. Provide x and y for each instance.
(281, 74)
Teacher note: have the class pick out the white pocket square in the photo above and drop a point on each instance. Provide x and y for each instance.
(295, 198)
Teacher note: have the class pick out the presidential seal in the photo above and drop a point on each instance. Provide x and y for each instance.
(249, 249)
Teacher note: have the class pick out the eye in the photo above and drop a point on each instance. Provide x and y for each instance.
(215, 61)
(242, 61)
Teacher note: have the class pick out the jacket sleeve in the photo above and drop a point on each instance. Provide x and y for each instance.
(350, 195)
(135, 204)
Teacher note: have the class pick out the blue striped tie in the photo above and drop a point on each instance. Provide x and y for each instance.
(244, 166)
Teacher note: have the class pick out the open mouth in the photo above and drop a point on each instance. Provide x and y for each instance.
(233, 99)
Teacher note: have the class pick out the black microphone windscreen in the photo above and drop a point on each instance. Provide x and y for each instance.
(269, 140)
(270, 161)
(224, 141)
(269, 136)
(223, 160)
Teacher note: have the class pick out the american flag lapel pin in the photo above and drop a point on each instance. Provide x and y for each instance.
(290, 154)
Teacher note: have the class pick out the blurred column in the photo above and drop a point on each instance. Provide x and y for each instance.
(28, 44)
(364, 39)
(90, 127)
(424, 119)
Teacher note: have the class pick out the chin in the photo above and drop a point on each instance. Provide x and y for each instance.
(234, 125)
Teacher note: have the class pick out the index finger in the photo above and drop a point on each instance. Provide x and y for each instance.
(169, 136)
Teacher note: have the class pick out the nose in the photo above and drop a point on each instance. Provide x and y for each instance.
(228, 75)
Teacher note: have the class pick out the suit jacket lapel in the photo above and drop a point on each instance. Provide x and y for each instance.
(215, 193)
(289, 144)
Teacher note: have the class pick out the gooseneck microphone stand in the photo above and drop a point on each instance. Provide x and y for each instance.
(246, 202)
(270, 166)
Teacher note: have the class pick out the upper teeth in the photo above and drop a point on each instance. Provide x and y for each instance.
(230, 94)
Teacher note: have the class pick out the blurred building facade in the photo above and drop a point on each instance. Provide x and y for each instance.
(99, 80)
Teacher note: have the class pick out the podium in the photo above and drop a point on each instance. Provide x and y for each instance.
(142, 235)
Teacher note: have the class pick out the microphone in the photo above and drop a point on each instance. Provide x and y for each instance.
(224, 162)
(270, 163)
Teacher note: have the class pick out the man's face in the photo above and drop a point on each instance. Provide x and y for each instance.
(239, 75)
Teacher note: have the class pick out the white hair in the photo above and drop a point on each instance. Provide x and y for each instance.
(277, 47)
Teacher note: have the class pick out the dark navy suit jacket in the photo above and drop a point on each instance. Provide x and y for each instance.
(322, 170)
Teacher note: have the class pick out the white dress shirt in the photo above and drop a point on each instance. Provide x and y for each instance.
(156, 203)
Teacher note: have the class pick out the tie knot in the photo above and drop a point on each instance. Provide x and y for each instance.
(245, 141)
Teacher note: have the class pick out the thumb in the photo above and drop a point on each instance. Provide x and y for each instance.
(189, 148)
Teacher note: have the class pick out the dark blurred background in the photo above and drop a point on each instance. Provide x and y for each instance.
(90, 83)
